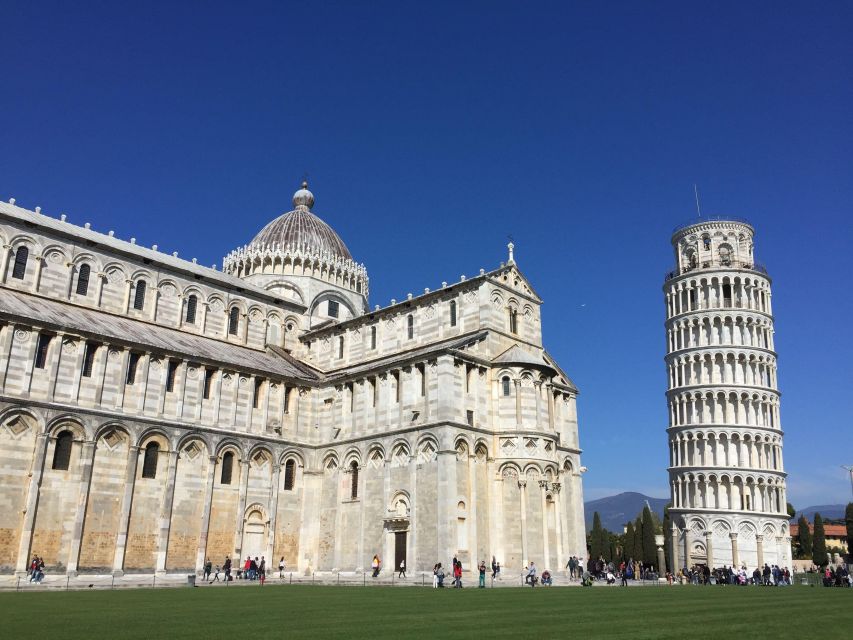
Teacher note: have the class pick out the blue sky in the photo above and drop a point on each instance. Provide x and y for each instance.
(431, 131)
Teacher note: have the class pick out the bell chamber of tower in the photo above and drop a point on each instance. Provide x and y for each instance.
(727, 480)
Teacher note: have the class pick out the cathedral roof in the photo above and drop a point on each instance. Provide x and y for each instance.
(516, 355)
(301, 229)
(89, 322)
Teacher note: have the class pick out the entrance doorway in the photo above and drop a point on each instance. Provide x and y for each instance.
(399, 548)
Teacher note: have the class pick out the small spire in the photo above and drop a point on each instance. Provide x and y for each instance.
(511, 260)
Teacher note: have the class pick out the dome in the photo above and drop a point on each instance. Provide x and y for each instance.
(302, 229)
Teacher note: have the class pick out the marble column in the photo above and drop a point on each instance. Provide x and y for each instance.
(166, 513)
(241, 509)
(676, 564)
(37, 471)
(558, 516)
(126, 502)
(201, 553)
(273, 503)
(735, 557)
(522, 490)
(709, 548)
(88, 461)
(759, 545)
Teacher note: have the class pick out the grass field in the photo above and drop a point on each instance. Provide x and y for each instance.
(383, 612)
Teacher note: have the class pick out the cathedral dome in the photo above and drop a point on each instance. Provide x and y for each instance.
(302, 230)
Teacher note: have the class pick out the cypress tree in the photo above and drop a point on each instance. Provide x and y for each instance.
(792, 513)
(650, 554)
(667, 538)
(595, 549)
(638, 541)
(819, 542)
(606, 545)
(628, 552)
(848, 516)
(805, 537)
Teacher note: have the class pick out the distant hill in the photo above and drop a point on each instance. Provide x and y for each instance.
(826, 511)
(616, 511)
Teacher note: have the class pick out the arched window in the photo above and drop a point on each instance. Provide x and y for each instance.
(289, 474)
(353, 469)
(227, 468)
(453, 313)
(62, 451)
(149, 464)
(20, 267)
(83, 280)
(513, 321)
(505, 384)
(192, 304)
(410, 326)
(139, 296)
(233, 321)
(706, 242)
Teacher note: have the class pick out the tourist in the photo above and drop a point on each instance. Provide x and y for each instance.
(207, 567)
(624, 577)
(226, 567)
(281, 568)
(547, 581)
(247, 568)
(435, 569)
(530, 578)
(494, 569)
(262, 570)
(457, 574)
(253, 569)
(498, 574)
(216, 575)
(402, 573)
(482, 570)
(440, 576)
(375, 566)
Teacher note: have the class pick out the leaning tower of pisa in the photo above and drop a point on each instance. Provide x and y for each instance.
(727, 480)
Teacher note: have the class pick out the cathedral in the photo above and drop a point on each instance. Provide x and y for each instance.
(155, 412)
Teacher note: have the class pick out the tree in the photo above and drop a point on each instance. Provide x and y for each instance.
(792, 513)
(848, 516)
(650, 555)
(638, 541)
(595, 550)
(667, 538)
(819, 542)
(805, 537)
(628, 553)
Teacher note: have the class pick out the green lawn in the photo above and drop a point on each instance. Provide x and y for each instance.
(727, 613)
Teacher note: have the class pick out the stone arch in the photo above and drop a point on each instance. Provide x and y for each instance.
(291, 453)
(67, 422)
(400, 504)
(352, 455)
(330, 461)
(156, 435)
(229, 444)
(509, 470)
